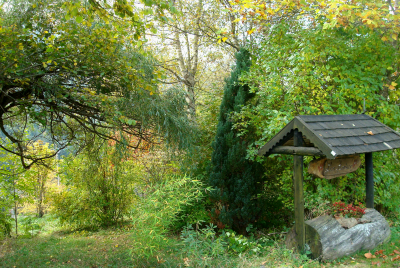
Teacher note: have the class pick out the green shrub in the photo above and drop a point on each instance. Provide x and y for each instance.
(30, 226)
(99, 187)
(5, 224)
(73, 210)
(157, 212)
(201, 247)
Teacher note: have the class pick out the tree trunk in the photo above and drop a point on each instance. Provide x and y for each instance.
(40, 197)
(15, 212)
(188, 65)
(328, 240)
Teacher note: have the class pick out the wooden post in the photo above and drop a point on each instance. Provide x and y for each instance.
(298, 192)
(369, 181)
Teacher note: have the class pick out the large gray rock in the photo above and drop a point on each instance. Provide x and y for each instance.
(327, 239)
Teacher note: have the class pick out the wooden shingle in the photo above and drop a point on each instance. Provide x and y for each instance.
(337, 135)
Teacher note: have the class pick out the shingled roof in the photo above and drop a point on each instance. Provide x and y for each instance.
(337, 135)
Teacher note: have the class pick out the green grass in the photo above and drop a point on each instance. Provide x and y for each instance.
(73, 250)
(112, 247)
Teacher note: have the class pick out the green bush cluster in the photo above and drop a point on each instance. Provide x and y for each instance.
(99, 188)
(161, 209)
(30, 226)
(5, 224)
(204, 245)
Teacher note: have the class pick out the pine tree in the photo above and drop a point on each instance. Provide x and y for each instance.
(236, 180)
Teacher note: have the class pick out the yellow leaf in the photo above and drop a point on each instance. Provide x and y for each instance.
(394, 84)
(237, 20)
(116, 245)
(392, 87)
(75, 63)
(34, 5)
(384, 38)
(224, 39)
(394, 36)
(44, 64)
(251, 31)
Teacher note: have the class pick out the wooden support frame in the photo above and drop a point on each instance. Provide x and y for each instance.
(316, 135)
(310, 151)
(298, 193)
(369, 181)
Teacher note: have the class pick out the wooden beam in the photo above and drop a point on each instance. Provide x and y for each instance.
(312, 151)
(369, 181)
(298, 193)
(275, 140)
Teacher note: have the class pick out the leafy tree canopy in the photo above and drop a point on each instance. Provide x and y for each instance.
(376, 15)
(70, 77)
(139, 14)
(322, 58)
(314, 57)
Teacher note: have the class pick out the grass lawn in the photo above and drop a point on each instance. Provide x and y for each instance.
(110, 248)
(105, 249)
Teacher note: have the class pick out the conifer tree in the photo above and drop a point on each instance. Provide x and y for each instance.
(236, 180)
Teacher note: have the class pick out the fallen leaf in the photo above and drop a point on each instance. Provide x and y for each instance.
(396, 258)
(396, 251)
(370, 133)
(391, 254)
(368, 255)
